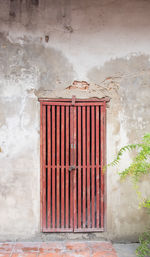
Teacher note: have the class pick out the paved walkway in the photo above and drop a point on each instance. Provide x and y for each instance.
(126, 250)
(58, 249)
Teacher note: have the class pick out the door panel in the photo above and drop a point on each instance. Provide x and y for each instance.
(72, 154)
(87, 177)
(57, 180)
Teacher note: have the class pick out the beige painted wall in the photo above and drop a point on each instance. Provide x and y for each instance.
(44, 46)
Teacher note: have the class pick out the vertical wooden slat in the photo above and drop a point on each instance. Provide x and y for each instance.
(79, 167)
(74, 171)
(41, 166)
(44, 163)
(53, 168)
(88, 169)
(84, 169)
(97, 167)
(102, 163)
(67, 168)
(49, 168)
(62, 167)
(58, 169)
(71, 164)
(93, 175)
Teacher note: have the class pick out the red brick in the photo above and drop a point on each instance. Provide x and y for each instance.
(50, 255)
(52, 246)
(6, 248)
(68, 255)
(104, 254)
(4, 254)
(102, 245)
(73, 255)
(76, 246)
(26, 247)
(24, 254)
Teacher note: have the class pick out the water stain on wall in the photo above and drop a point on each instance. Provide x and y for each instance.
(33, 12)
(12, 8)
(130, 77)
(35, 2)
(45, 68)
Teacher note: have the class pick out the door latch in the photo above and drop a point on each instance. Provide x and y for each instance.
(73, 146)
(71, 168)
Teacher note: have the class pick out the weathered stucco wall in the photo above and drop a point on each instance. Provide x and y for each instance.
(44, 46)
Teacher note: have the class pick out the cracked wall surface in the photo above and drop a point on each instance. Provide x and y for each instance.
(59, 49)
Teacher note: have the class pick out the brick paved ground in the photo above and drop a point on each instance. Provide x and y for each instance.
(57, 249)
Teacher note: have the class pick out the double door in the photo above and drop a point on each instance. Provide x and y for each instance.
(72, 158)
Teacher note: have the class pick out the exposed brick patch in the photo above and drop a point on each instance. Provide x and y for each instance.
(82, 85)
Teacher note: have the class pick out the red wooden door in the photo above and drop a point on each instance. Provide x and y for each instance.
(72, 156)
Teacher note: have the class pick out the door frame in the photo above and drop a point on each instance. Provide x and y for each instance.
(48, 101)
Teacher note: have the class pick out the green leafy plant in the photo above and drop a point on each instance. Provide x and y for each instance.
(139, 166)
(144, 247)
